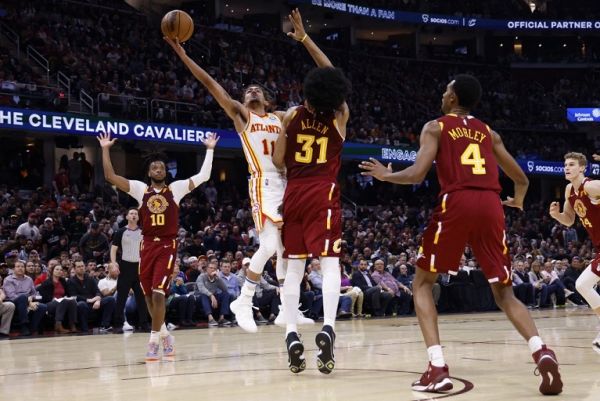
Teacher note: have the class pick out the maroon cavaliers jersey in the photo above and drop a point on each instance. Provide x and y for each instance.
(588, 212)
(159, 214)
(314, 146)
(465, 158)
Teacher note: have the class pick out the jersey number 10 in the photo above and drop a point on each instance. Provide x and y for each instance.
(157, 219)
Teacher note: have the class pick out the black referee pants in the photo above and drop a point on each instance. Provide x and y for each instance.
(129, 279)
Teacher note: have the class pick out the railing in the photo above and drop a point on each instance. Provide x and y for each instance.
(64, 82)
(350, 201)
(170, 111)
(86, 102)
(31, 95)
(40, 60)
(12, 37)
(125, 106)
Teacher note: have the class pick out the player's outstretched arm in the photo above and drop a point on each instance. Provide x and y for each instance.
(109, 172)
(512, 169)
(415, 174)
(301, 36)
(567, 217)
(281, 142)
(204, 175)
(234, 109)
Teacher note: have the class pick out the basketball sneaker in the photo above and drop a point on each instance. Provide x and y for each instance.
(325, 340)
(434, 380)
(168, 346)
(596, 344)
(242, 309)
(547, 367)
(152, 354)
(301, 319)
(295, 348)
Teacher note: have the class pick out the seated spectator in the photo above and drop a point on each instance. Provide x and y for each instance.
(20, 291)
(541, 288)
(316, 278)
(181, 302)
(522, 288)
(212, 294)
(54, 293)
(94, 244)
(402, 295)
(7, 310)
(555, 286)
(354, 293)
(89, 300)
(232, 282)
(376, 298)
(570, 276)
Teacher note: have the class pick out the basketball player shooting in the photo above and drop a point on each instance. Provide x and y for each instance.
(258, 130)
(159, 213)
(467, 153)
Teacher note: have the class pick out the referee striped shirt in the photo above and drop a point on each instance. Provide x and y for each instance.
(128, 242)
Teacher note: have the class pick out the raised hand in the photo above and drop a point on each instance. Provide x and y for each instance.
(375, 169)
(210, 141)
(105, 141)
(296, 19)
(175, 45)
(510, 202)
(596, 157)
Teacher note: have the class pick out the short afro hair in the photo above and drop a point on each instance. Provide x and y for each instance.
(468, 90)
(326, 89)
(154, 157)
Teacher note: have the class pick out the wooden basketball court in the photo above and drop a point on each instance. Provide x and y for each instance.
(375, 360)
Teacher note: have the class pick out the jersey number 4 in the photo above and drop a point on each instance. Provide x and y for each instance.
(157, 219)
(306, 154)
(472, 157)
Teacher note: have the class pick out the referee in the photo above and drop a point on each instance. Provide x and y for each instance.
(127, 241)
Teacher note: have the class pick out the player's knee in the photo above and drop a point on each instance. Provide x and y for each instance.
(580, 285)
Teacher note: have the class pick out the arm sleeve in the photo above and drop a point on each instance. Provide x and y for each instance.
(182, 188)
(136, 191)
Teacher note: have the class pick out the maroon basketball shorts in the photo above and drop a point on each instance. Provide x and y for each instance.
(466, 217)
(157, 257)
(312, 219)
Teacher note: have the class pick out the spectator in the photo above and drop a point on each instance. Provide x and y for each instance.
(354, 293)
(522, 287)
(212, 293)
(375, 296)
(60, 304)
(231, 281)
(316, 279)
(7, 310)
(89, 300)
(29, 229)
(94, 244)
(402, 295)
(50, 236)
(20, 291)
(181, 301)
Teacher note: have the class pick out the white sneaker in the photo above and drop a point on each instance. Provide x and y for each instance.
(301, 319)
(596, 344)
(127, 327)
(242, 309)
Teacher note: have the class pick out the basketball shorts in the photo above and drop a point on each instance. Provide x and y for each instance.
(312, 219)
(266, 199)
(156, 264)
(467, 217)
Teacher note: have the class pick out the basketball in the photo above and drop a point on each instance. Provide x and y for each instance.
(177, 24)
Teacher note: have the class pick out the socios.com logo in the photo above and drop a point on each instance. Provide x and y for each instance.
(472, 22)
(425, 18)
(596, 113)
(530, 166)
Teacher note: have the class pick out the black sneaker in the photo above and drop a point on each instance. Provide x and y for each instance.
(325, 341)
(295, 349)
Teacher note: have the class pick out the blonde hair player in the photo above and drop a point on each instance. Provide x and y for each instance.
(258, 131)
(582, 198)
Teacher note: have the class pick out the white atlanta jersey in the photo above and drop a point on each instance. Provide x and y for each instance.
(266, 183)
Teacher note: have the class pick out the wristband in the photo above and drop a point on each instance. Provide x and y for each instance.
(303, 38)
